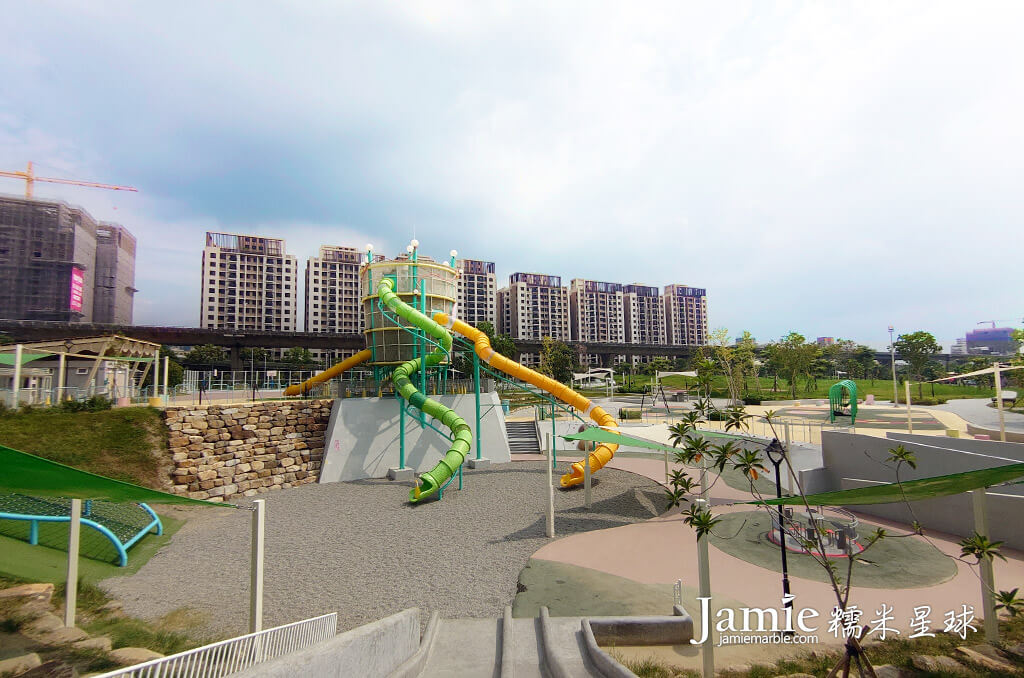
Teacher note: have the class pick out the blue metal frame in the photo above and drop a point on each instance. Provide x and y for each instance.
(122, 548)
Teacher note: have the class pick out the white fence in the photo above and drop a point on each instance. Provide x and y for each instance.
(236, 654)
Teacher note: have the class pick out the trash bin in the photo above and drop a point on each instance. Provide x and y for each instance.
(504, 406)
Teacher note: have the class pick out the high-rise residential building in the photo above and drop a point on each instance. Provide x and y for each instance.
(644, 314)
(686, 315)
(596, 315)
(49, 264)
(537, 307)
(332, 291)
(115, 275)
(477, 292)
(248, 283)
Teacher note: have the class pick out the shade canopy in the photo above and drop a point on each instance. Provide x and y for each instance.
(912, 490)
(24, 473)
(599, 435)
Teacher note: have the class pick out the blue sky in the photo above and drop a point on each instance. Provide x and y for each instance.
(825, 167)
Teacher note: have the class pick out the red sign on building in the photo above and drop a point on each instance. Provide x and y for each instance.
(77, 289)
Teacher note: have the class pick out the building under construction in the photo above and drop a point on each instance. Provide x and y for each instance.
(57, 263)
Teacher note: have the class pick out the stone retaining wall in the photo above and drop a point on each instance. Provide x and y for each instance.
(225, 451)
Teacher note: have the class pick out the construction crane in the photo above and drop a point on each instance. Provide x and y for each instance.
(30, 178)
(992, 323)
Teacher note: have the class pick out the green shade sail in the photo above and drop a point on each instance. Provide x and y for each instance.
(913, 490)
(24, 473)
(599, 435)
(8, 358)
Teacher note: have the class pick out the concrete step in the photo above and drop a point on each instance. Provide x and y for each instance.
(466, 647)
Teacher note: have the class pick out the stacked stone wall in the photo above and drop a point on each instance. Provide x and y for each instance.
(222, 452)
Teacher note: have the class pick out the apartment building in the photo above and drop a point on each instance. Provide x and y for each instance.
(55, 259)
(643, 317)
(114, 298)
(332, 291)
(248, 283)
(596, 314)
(534, 306)
(477, 292)
(686, 315)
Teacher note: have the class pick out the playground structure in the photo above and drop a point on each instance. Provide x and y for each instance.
(409, 306)
(123, 525)
(843, 395)
(837, 527)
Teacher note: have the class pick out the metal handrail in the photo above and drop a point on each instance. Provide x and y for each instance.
(236, 654)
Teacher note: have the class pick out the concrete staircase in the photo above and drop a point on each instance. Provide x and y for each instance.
(522, 437)
(509, 648)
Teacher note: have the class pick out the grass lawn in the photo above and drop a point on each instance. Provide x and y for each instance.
(123, 443)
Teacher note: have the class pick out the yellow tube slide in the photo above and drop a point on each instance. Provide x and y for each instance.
(346, 364)
(482, 345)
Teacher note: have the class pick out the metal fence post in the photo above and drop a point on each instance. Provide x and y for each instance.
(71, 585)
(256, 566)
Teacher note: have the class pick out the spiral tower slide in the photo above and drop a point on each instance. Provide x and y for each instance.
(482, 345)
(434, 479)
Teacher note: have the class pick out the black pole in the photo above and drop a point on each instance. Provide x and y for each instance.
(776, 447)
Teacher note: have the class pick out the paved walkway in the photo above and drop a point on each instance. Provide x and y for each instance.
(662, 550)
(977, 411)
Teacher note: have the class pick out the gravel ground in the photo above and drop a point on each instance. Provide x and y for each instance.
(362, 550)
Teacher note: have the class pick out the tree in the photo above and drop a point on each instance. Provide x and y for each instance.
(298, 355)
(746, 360)
(792, 356)
(175, 372)
(253, 354)
(917, 348)
(557, 360)
(207, 354)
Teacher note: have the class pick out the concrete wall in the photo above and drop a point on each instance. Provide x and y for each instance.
(372, 650)
(363, 436)
(852, 461)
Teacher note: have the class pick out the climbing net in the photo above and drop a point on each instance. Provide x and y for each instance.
(46, 519)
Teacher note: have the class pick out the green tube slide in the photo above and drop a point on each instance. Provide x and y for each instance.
(431, 481)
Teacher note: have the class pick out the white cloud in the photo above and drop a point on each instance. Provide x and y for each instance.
(815, 166)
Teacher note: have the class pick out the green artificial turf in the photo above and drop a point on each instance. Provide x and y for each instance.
(19, 559)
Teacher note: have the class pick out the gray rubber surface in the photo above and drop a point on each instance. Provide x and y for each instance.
(361, 550)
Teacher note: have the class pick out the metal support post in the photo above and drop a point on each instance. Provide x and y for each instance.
(401, 431)
(423, 344)
(892, 361)
(71, 583)
(476, 389)
(910, 420)
(554, 436)
(256, 566)
(60, 378)
(704, 591)
(156, 377)
(586, 481)
(550, 528)
(999, 400)
(167, 371)
(16, 384)
(988, 580)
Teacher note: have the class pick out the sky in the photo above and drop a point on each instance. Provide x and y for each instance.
(825, 167)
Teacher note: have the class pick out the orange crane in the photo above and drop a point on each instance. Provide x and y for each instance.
(30, 178)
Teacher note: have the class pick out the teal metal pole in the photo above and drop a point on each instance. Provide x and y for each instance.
(401, 430)
(423, 348)
(476, 389)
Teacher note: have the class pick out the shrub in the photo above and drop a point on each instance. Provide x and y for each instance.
(751, 400)
(96, 403)
(627, 413)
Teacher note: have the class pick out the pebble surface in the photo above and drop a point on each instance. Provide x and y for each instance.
(362, 550)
